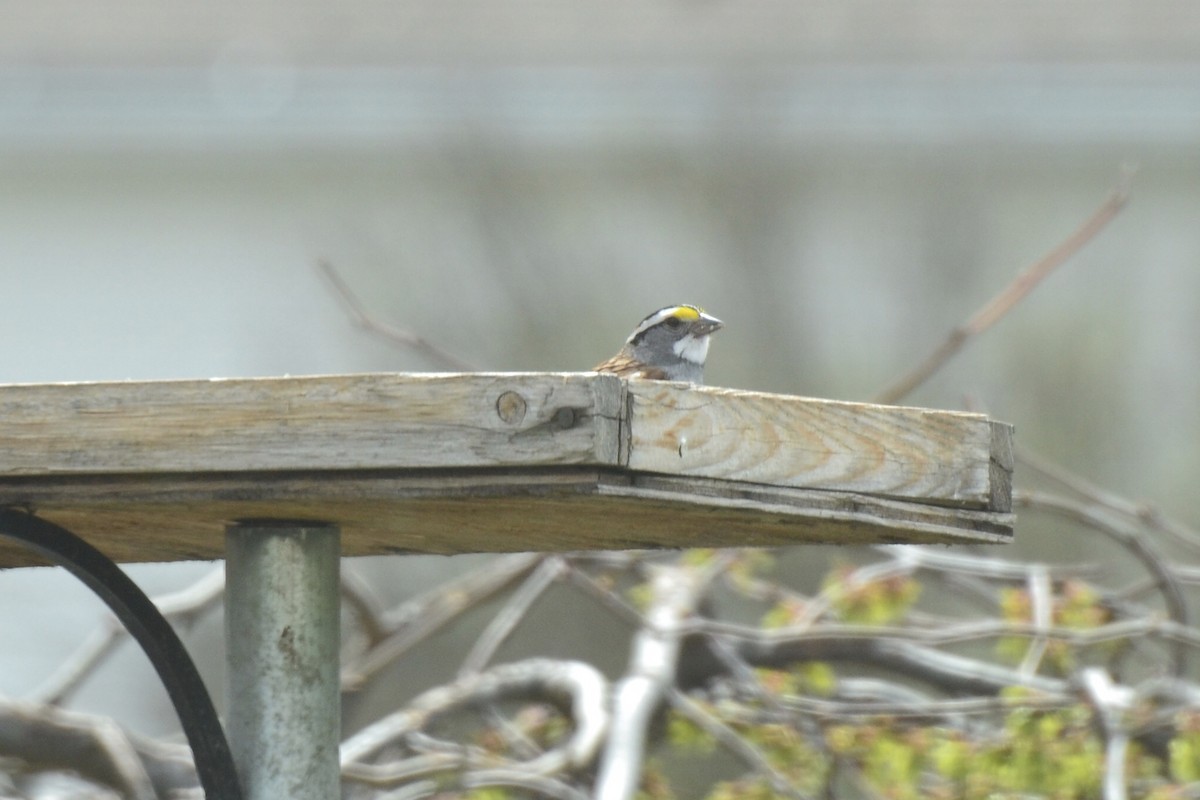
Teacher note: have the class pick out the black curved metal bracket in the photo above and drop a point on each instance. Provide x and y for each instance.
(210, 749)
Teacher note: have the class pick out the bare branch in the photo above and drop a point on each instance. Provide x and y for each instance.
(417, 619)
(399, 336)
(95, 747)
(516, 779)
(361, 598)
(1110, 702)
(1132, 539)
(609, 599)
(582, 684)
(81, 663)
(929, 709)
(974, 564)
(1022, 285)
(733, 741)
(1143, 513)
(1042, 596)
(676, 591)
(506, 621)
(181, 607)
(820, 636)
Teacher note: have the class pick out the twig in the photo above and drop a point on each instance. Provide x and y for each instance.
(515, 610)
(973, 564)
(930, 710)
(57, 687)
(1041, 597)
(420, 617)
(610, 599)
(1135, 541)
(1023, 284)
(676, 591)
(498, 631)
(808, 641)
(1143, 513)
(360, 598)
(182, 607)
(403, 771)
(1111, 702)
(514, 779)
(368, 321)
(734, 742)
(95, 747)
(574, 682)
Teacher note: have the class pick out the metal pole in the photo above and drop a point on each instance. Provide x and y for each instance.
(281, 637)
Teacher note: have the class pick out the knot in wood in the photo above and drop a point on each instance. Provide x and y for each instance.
(564, 419)
(511, 407)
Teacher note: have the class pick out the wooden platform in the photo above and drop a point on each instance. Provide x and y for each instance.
(452, 463)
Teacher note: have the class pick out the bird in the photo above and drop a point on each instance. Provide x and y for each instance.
(670, 344)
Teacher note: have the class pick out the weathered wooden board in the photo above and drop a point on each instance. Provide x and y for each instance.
(492, 462)
(172, 518)
(327, 422)
(936, 456)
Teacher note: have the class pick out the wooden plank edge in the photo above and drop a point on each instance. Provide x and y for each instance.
(892, 520)
(934, 456)
(353, 421)
(1001, 464)
(482, 511)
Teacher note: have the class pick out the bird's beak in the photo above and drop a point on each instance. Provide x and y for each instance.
(707, 324)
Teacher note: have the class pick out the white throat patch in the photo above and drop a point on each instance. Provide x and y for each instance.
(692, 348)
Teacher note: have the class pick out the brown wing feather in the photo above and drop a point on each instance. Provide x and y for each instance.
(621, 364)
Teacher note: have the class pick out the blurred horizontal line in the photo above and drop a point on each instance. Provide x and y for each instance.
(234, 105)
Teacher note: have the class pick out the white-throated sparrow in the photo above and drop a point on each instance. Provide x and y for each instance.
(669, 345)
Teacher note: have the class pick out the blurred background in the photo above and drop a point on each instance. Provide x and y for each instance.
(841, 182)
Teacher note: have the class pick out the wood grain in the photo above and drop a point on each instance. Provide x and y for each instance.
(454, 463)
(942, 457)
(325, 422)
(173, 518)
